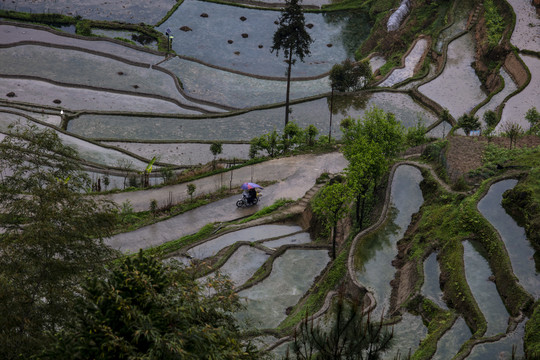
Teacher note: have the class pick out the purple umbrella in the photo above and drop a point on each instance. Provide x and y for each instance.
(249, 185)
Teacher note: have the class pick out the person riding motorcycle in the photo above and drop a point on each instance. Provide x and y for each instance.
(250, 195)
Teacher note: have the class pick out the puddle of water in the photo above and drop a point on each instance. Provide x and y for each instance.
(43, 93)
(431, 287)
(518, 247)
(126, 34)
(412, 59)
(183, 153)
(10, 34)
(247, 126)
(81, 68)
(526, 33)
(301, 238)
(407, 336)
(209, 38)
(131, 11)
(458, 87)
(485, 292)
(240, 91)
(450, 343)
(292, 275)
(374, 255)
(502, 349)
(241, 266)
(516, 107)
(497, 99)
(212, 247)
(67, 28)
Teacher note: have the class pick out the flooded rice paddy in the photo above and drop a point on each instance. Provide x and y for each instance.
(457, 74)
(250, 124)
(431, 287)
(517, 245)
(227, 63)
(222, 38)
(374, 254)
(411, 61)
(516, 107)
(485, 292)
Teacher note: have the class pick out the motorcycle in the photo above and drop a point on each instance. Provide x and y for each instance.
(245, 200)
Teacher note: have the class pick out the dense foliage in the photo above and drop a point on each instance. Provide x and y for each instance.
(144, 310)
(53, 236)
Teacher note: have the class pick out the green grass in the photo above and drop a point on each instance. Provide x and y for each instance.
(178, 244)
(279, 203)
(439, 321)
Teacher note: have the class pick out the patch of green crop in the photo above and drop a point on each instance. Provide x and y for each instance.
(531, 340)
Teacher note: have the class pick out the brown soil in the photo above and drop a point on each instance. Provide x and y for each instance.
(515, 69)
(465, 152)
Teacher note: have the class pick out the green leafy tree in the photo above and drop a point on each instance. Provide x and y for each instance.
(377, 126)
(445, 118)
(293, 39)
(52, 236)
(266, 142)
(191, 190)
(364, 172)
(533, 117)
(310, 134)
(293, 135)
(416, 135)
(370, 145)
(468, 123)
(350, 76)
(349, 335)
(490, 118)
(216, 148)
(144, 310)
(513, 132)
(330, 205)
(347, 76)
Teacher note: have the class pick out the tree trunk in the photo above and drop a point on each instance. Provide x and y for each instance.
(331, 111)
(334, 230)
(289, 67)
